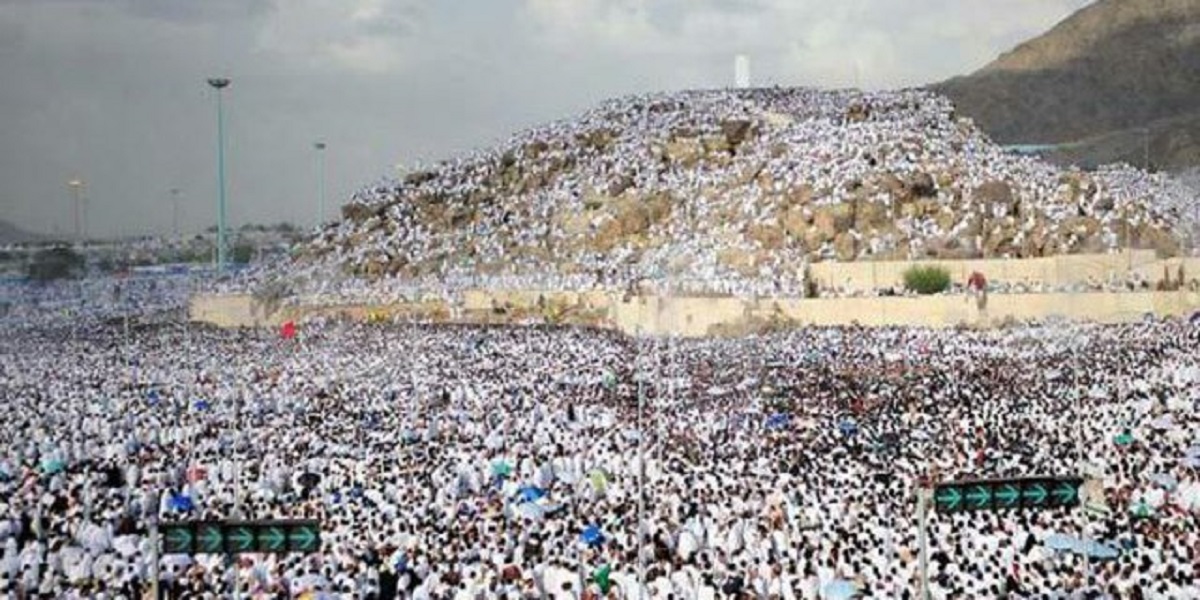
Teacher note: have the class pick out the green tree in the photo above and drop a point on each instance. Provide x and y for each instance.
(59, 262)
(242, 253)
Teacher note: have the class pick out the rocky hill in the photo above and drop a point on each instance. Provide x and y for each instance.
(741, 185)
(1116, 81)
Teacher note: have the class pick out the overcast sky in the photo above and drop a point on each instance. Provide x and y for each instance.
(112, 92)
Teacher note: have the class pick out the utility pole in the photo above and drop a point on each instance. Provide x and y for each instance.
(175, 212)
(923, 538)
(76, 186)
(320, 147)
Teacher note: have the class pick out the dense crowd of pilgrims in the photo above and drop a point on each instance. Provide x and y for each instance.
(471, 462)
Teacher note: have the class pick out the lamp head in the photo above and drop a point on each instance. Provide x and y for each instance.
(219, 82)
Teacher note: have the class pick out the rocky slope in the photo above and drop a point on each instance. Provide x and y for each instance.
(1111, 77)
(744, 184)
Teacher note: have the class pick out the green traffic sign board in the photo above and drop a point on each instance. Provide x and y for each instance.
(241, 537)
(271, 538)
(210, 538)
(1003, 494)
(305, 538)
(178, 538)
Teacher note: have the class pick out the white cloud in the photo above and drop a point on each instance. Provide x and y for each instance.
(373, 36)
(880, 43)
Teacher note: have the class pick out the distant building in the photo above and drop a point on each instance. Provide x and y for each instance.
(741, 71)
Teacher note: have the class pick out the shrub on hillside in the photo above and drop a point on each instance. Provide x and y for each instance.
(927, 280)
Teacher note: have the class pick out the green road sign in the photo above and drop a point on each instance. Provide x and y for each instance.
(1007, 496)
(1035, 494)
(979, 496)
(1002, 494)
(239, 538)
(1066, 492)
(211, 538)
(177, 538)
(271, 538)
(305, 537)
(948, 498)
(242, 537)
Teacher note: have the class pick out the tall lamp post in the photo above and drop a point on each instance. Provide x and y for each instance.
(219, 84)
(175, 212)
(76, 186)
(320, 147)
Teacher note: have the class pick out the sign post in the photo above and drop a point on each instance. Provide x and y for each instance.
(241, 537)
(923, 539)
(1004, 494)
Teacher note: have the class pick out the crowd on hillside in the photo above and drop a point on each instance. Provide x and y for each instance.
(465, 462)
(509, 209)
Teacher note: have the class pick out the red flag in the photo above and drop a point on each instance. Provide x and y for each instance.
(288, 331)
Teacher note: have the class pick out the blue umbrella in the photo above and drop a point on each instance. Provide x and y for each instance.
(838, 589)
(591, 536)
(778, 420)
(152, 397)
(182, 503)
(202, 405)
(530, 493)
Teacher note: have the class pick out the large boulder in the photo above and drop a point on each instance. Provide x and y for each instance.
(685, 152)
(869, 215)
(832, 219)
(357, 212)
(1162, 242)
(996, 193)
(795, 222)
(1082, 227)
(736, 131)
(714, 144)
(922, 185)
(846, 247)
(597, 139)
(419, 177)
(770, 237)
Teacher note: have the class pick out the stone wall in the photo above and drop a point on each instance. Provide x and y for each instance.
(700, 316)
(696, 317)
(1054, 270)
(230, 310)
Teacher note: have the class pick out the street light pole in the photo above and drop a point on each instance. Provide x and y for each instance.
(320, 146)
(76, 186)
(175, 212)
(219, 84)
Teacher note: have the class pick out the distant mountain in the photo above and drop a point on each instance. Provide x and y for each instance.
(1117, 81)
(11, 234)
